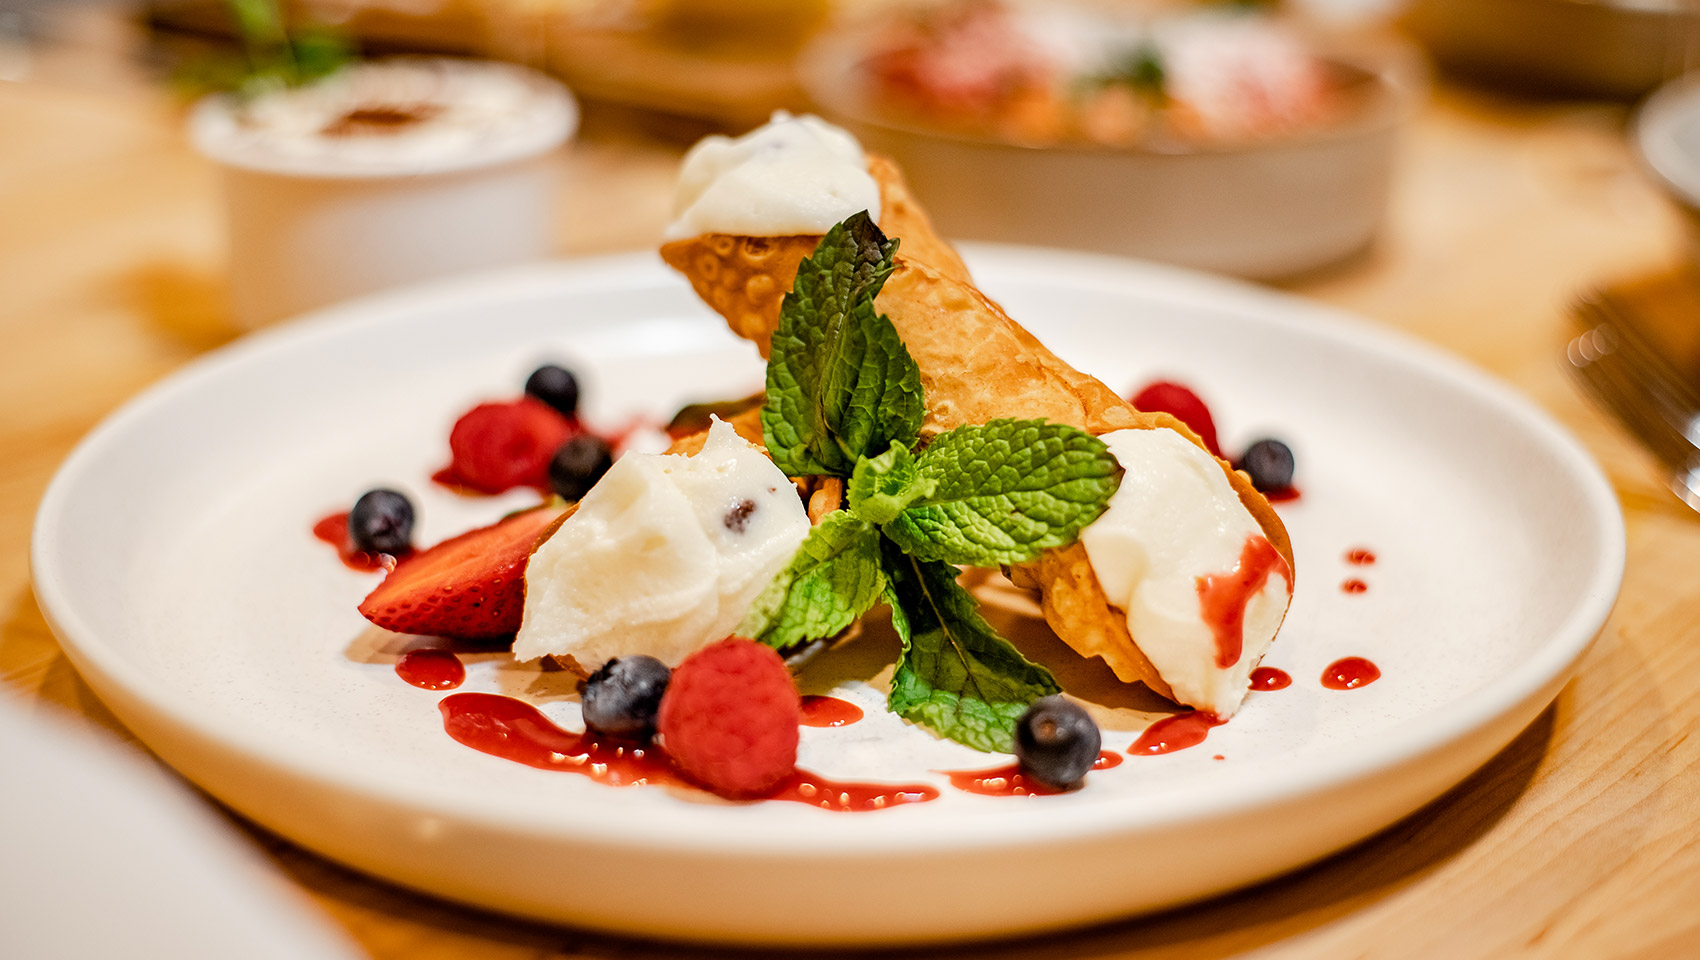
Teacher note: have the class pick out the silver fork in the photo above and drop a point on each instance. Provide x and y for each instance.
(1625, 371)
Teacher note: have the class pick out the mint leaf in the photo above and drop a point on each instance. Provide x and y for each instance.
(833, 579)
(880, 488)
(1005, 491)
(840, 384)
(956, 674)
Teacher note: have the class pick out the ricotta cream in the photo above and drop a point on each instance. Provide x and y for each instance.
(665, 554)
(1203, 590)
(794, 176)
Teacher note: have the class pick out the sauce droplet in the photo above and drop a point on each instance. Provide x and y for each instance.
(333, 530)
(515, 730)
(1009, 781)
(1281, 494)
(1175, 733)
(1270, 678)
(1354, 585)
(1222, 597)
(1359, 557)
(818, 711)
(431, 669)
(1350, 673)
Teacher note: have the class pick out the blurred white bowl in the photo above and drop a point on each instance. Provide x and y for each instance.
(314, 218)
(1263, 210)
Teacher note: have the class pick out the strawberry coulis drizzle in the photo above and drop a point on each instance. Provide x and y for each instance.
(1222, 597)
(1270, 678)
(430, 669)
(1009, 781)
(1350, 673)
(1360, 557)
(819, 711)
(1175, 733)
(1353, 585)
(1281, 494)
(333, 530)
(515, 730)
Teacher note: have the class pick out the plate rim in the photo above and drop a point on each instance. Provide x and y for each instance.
(1548, 666)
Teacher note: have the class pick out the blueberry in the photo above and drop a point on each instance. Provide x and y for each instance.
(622, 698)
(555, 386)
(1056, 742)
(579, 463)
(381, 522)
(1270, 464)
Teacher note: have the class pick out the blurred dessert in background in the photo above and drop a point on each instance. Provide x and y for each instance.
(1044, 74)
(1221, 138)
(383, 173)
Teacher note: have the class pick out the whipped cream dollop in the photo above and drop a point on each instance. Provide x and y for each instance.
(399, 116)
(1204, 591)
(794, 176)
(665, 554)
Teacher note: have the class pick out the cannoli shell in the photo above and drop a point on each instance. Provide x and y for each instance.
(977, 364)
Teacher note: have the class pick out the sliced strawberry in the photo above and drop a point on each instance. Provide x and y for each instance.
(470, 587)
(499, 446)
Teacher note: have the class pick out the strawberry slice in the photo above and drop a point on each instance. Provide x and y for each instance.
(470, 587)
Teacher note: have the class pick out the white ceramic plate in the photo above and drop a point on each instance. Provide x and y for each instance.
(173, 557)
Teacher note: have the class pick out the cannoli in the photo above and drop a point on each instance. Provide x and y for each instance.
(1199, 564)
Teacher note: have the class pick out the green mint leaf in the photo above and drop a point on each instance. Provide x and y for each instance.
(1005, 491)
(834, 578)
(840, 384)
(881, 487)
(956, 674)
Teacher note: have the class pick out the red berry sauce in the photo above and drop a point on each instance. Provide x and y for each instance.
(1353, 585)
(431, 669)
(817, 791)
(1281, 494)
(1175, 733)
(1350, 674)
(818, 711)
(334, 531)
(1270, 678)
(515, 730)
(1009, 781)
(1222, 597)
(1360, 557)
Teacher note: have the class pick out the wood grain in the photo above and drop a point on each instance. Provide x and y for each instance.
(1582, 839)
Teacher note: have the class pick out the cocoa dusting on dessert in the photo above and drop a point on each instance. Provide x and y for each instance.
(739, 516)
(380, 119)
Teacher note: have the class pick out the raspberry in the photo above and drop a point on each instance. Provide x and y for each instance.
(729, 718)
(499, 446)
(1172, 398)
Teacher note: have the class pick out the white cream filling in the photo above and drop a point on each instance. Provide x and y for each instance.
(794, 176)
(664, 555)
(1174, 519)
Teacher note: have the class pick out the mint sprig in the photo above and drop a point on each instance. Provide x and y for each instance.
(1004, 492)
(844, 399)
(840, 385)
(881, 488)
(834, 578)
(956, 674)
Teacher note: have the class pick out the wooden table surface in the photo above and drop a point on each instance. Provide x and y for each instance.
(1581, 839)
